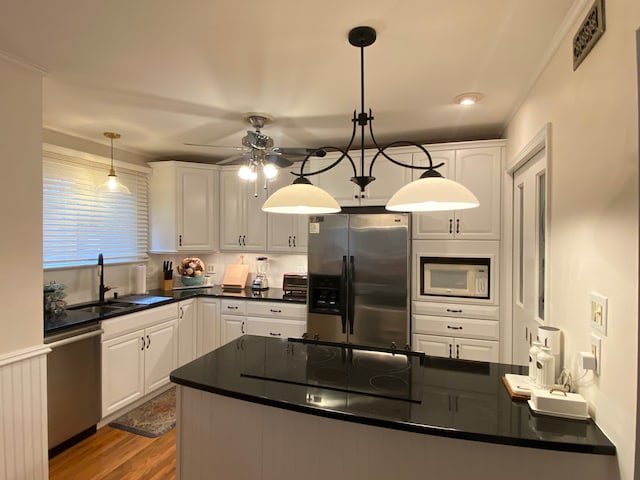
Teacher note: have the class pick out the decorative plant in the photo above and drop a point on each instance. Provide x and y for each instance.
(191, 267)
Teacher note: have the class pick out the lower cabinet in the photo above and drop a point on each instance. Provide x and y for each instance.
(208, 327)
(187, 330)
(139, 351)
(452, 347)
(268, 319)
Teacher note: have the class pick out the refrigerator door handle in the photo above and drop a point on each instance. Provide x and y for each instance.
(343, 294)
(352, 295)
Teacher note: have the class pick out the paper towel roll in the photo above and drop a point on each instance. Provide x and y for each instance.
(551, 337)
(141, 279)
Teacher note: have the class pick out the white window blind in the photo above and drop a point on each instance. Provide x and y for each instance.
(79, 222)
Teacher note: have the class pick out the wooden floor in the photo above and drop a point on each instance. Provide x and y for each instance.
(115, 454)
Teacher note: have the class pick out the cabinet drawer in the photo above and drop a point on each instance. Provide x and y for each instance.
(233, 307)
(489, 312)
(277, 310)
(458, 327)
(139, 320)
(268, 327)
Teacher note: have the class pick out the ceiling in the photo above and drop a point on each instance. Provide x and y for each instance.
(164, 73)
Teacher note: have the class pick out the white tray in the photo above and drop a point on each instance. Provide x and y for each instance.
(556, 414)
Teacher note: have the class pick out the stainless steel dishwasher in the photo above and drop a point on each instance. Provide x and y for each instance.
(73, 385)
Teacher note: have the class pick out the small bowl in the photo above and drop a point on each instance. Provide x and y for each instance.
(191, 281)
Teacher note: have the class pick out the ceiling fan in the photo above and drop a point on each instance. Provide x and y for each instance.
(258, 148)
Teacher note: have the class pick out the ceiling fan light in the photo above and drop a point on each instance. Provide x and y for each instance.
(301, 199)
(247, 172)
(270, 171)
(432, 194)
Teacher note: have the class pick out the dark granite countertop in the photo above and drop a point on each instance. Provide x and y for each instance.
(416, 393)
(70, 318)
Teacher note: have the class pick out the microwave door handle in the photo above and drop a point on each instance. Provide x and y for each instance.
(343, 294)
(352, 295)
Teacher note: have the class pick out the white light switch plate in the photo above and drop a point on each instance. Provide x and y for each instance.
(598, 312)
(596, 350)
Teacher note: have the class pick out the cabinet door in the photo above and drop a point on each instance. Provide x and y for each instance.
(232, 327)
(434, 225)
(196, 214)
(479, 169)
(389, 177)
(186, 331)
(255, 223)
(122, 371)
(479, 350)
(208, 337)
(161, 354)
(232, 210)
(433, 345)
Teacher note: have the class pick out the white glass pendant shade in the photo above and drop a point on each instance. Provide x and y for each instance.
(247, 173)
(270, 170)
(432, 194)
(301, 198)
(112, 184)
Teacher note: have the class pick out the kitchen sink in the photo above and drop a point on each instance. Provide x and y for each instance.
(103, 308)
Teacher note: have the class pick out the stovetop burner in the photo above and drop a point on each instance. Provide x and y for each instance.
(341, 367)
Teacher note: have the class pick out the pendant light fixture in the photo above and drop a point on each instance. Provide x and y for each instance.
(112, 184)
(431, 192)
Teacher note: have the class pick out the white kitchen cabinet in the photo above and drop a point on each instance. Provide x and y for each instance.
(138, 353)
(208, 329)
(232, 319)
(243, 224)
(187, 329)
(286, 233)
(389, 177)
(184, 215)
(479, 168)
(452, 347)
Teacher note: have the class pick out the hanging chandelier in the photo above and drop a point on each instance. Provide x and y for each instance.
(431, 192)
(112, 184)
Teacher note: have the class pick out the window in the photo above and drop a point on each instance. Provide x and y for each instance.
(79, 223)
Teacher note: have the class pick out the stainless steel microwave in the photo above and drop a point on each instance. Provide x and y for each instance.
(459, 277)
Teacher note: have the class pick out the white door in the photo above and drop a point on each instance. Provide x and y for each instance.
(122, 371)
(433, 345)
(208, 325)
(232, 327)
(529, 237)
(196, 209)
(161, 354)
(186, 332)
(478, 350)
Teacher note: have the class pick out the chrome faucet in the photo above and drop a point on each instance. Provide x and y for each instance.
(101, 289)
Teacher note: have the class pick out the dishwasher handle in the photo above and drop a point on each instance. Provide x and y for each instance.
(75, 338)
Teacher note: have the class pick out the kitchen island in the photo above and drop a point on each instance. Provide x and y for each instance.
(277, 409)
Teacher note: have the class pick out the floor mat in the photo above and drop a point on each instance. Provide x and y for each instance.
(151, 419)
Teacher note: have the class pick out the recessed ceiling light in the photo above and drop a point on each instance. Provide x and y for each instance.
(468, 98)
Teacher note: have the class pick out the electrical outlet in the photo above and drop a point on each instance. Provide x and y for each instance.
(211, 268)
(598, 312)
(596, 350)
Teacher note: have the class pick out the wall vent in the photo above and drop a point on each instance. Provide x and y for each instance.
(589, 33)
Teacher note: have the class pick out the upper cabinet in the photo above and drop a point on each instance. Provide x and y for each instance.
(286, 233)
(478, 169)
(184, 207)
(243, 224)
(389, 177)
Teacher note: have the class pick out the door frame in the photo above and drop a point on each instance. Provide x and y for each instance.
(540, 141)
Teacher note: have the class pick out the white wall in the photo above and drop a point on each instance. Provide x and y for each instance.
(20, 207)
(593, 233)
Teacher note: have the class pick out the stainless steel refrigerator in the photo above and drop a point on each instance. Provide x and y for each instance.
(358, 274)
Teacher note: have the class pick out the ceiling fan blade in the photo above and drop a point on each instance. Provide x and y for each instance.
(232, 159)
(214, 146)
(302, 152)
(278, 160)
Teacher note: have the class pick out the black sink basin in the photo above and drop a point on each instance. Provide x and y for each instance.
(102, 308)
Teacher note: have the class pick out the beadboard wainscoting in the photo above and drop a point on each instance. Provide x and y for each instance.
(23, 414)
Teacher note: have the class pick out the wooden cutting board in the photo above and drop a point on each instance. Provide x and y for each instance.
(235, 276)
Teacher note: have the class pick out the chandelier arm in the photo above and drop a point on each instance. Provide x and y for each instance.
(381, 151)
(345, 154)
